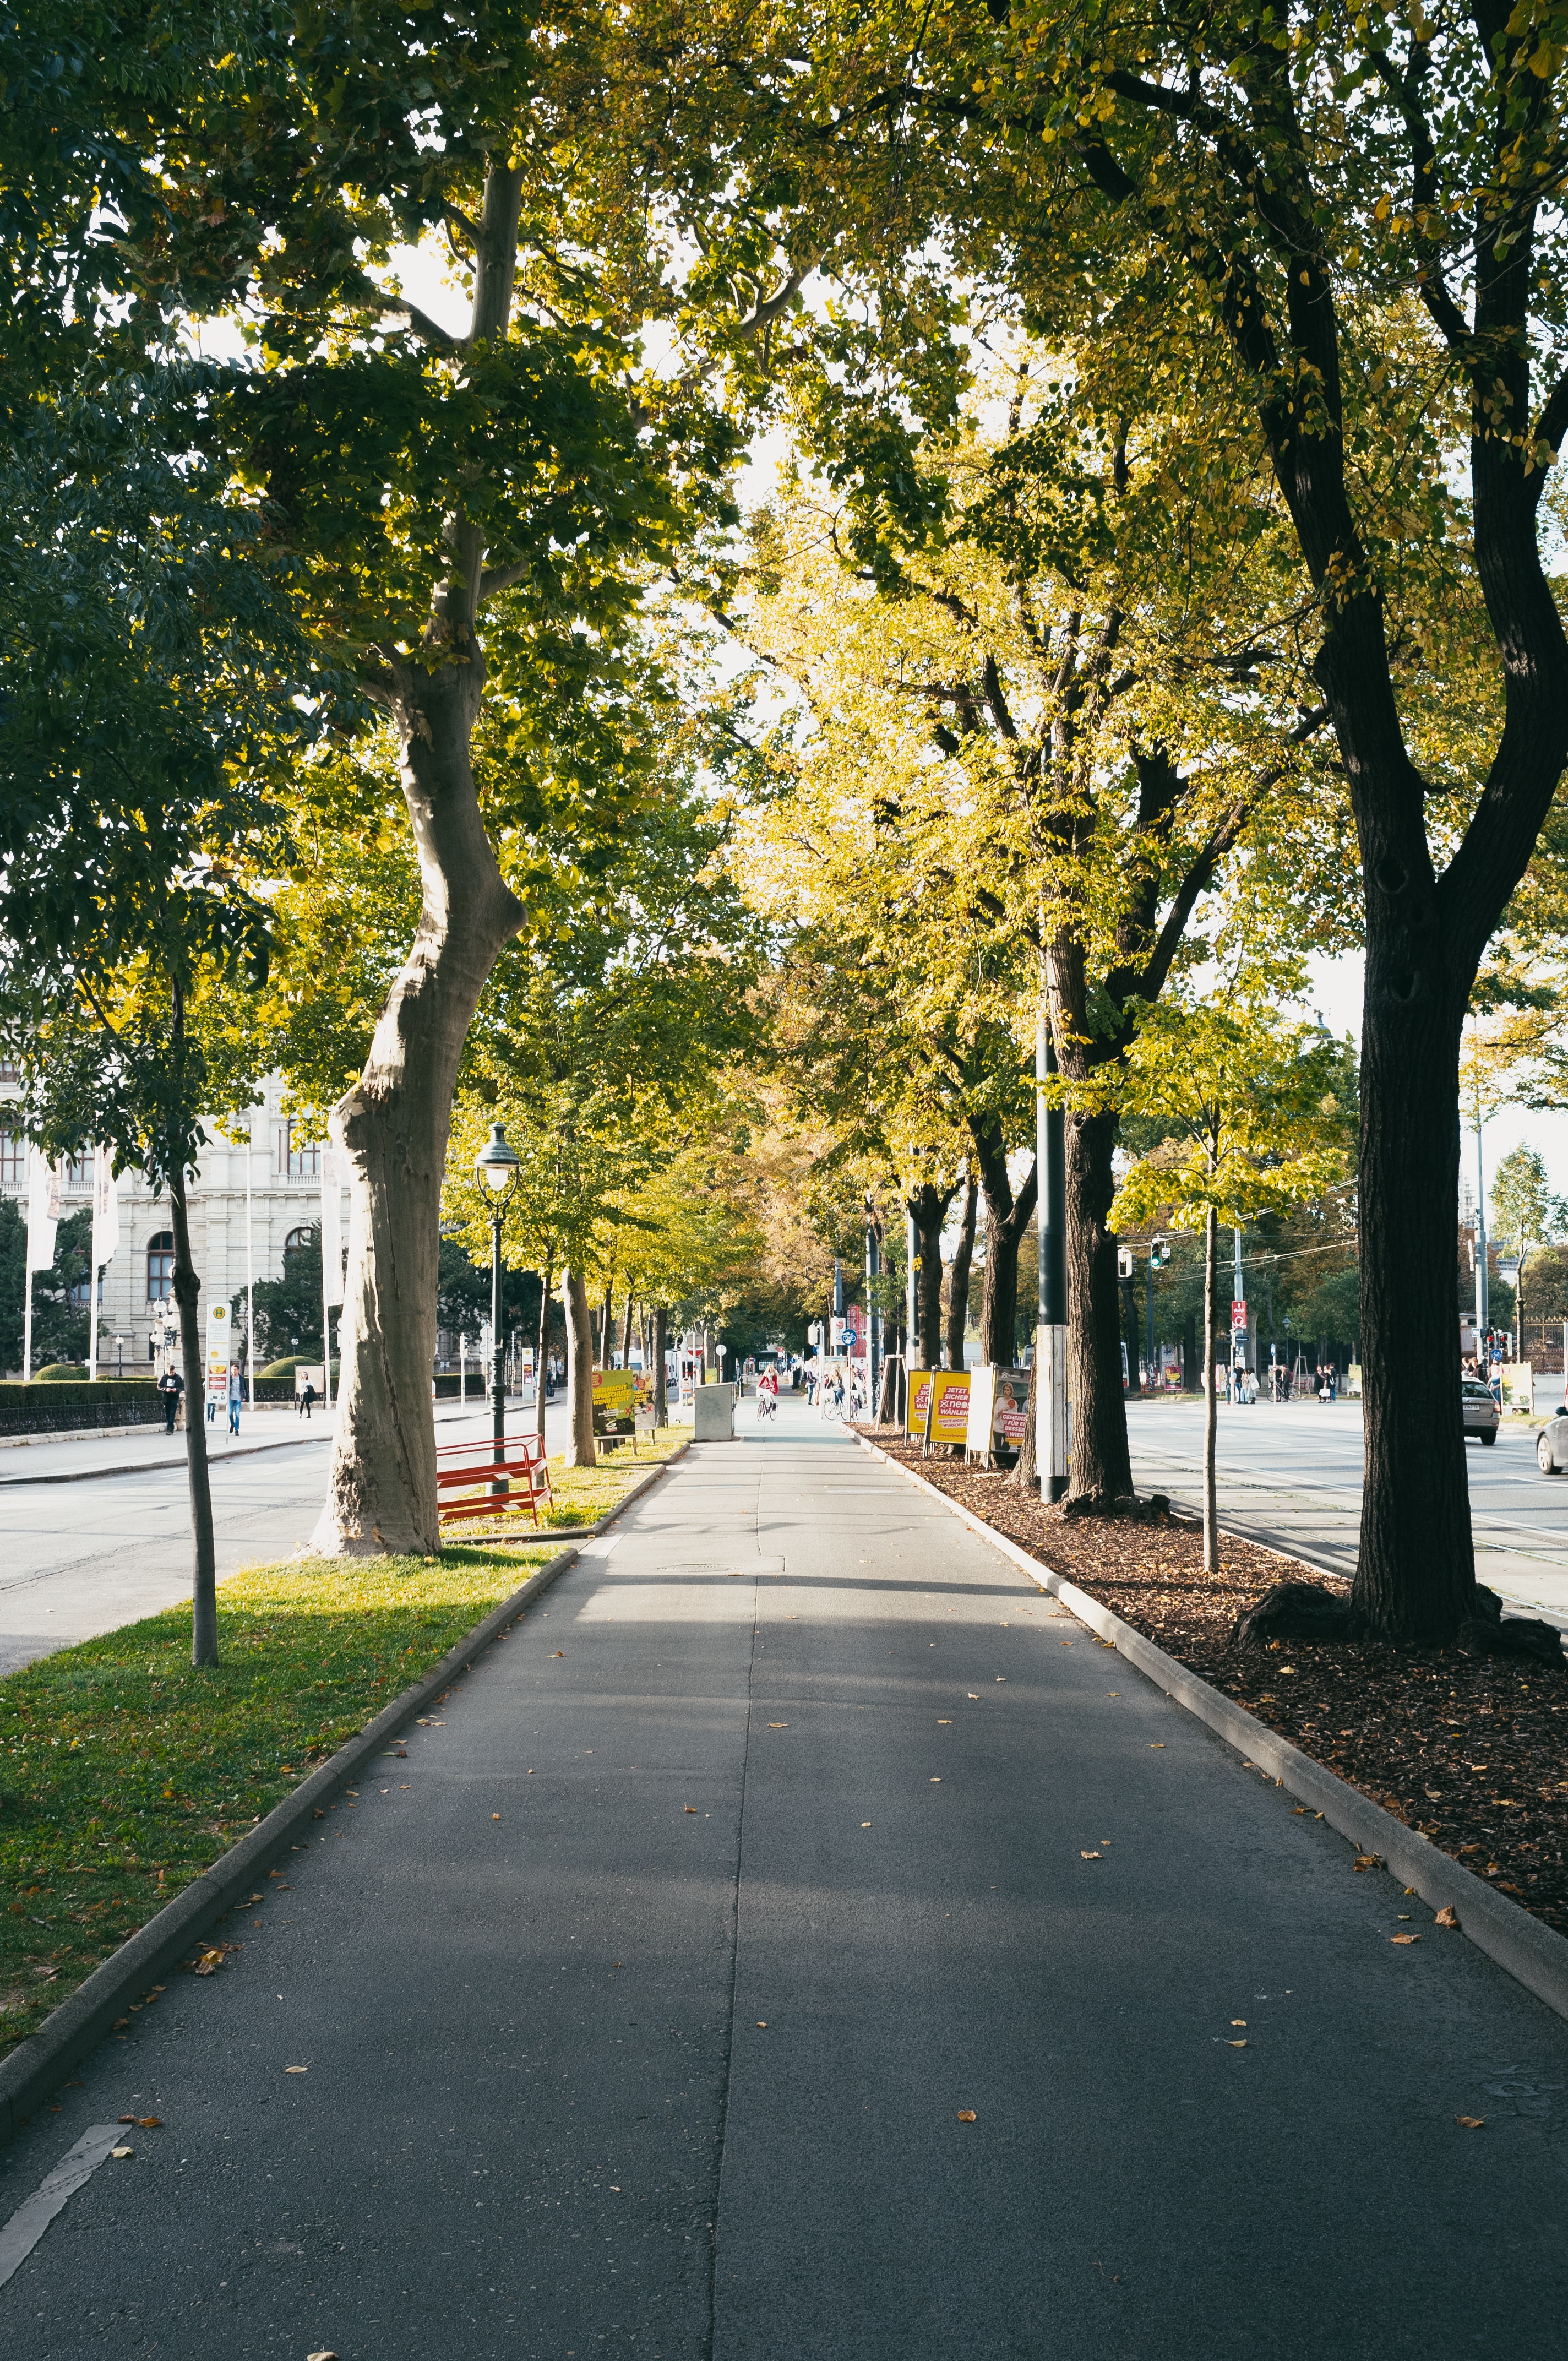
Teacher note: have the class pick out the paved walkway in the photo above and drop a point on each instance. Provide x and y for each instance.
(643, 2004)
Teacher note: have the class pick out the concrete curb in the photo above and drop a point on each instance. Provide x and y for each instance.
(1534, 1954)
(38, 2065)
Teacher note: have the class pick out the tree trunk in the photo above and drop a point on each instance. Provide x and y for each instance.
(1006, 1219)
(1101, 1466)
(187, 1288)
(580, 1451)
(626, 1332)
(1211, 1406)
(546, 1283)
(958, 1278)
(1026, 1474)
(1415, 1579)
(661, 1404)
(393, 1125)
(930, 1208)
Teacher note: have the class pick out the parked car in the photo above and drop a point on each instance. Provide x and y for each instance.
(1552, 1444)
(1482, 1416)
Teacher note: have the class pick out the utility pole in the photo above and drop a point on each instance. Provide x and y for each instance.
(1050, 1329)
(873, 1317)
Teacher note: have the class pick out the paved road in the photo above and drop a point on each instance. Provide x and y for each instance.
(1289, 1475)
(641, 2005)
(82, 1557)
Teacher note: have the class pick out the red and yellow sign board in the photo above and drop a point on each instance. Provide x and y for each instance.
(950, 1411)
(615, 1400)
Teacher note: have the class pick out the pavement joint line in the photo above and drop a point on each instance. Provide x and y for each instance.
(1534, 1954)
(36, 2066)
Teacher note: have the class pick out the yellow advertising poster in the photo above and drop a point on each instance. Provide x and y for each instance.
(950, 1411)
(615, 1400)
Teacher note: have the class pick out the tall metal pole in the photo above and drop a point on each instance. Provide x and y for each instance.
(498, 1347)
(873, 1317)
(1050, 1332)
(1483, 1304)
(250, 1268)
(1151, 1367)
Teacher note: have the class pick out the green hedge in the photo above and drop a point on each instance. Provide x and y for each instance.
(51, 1405)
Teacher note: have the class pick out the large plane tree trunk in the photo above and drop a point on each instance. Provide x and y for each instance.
(393, 1125)
(957, 1277)
(1006, 1219)
(580, 1450)
(1100, 1467)
(928, 1206)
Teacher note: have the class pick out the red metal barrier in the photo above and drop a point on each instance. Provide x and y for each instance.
(468, 1486)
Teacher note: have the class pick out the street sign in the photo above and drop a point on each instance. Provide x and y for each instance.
(1238, 1312)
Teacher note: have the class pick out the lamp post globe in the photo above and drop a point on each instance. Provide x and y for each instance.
(496, 1168)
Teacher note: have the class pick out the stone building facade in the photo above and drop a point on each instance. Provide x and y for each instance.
(136, 1296)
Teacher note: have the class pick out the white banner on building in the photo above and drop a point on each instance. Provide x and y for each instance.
(334, 1179)
(43, 1210)
(106, 1208)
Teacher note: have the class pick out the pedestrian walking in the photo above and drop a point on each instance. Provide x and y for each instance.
(171, 1385)
(307, 1400)
(236, 1396)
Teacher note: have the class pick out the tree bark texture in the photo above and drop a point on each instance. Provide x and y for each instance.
(957, 1277)
(1006, 1219)
(661, 1331)
(928, 1206)
(1026, 1474)
(393, 1125)
(580, 1450)
(546, 1284)
(1101, 1466)
(1211, 1403)
(204, 1573)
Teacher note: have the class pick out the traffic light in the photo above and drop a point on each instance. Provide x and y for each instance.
(1124, 1262)
(1160, 1254)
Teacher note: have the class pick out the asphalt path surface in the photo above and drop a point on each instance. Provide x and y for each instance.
(643, 2006)
(1289, 1475)
(81, 1557)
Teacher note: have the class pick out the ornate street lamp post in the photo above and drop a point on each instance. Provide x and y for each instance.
(496, 1167)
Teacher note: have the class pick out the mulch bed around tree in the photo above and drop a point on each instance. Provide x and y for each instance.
(1471, 1750)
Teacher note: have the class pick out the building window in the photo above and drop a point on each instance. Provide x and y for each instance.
(77, 1296)
(13, 1163)
(297, 1159)
(9, 1070)
(160, 1268)
(78, 1178)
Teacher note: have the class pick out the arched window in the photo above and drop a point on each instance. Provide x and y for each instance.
(160, 1266)
(298, 1240)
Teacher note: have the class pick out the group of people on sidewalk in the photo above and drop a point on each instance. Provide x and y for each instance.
(171, 1387)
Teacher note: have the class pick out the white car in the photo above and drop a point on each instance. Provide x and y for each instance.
(1552, 1444)
(1482, 1416)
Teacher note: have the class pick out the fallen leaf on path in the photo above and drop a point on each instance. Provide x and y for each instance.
(125, 2119)
(865, 1824)
(1367, 1861)
(692, 1809)
(943, 1722)
(934, 1782)
(1158, 1746)
(1447, 1917)
(778, 1725)
(495, 1816)
(122, 2151)
(761, 2025)
(557, 1651)
(1238, 2020)
(323, 2356)
(296, 2070)
(1404, 1938)
(1088, 1856)
(1470, 2122)
(150, 2122)
(968, 2115)
(1236, 2045)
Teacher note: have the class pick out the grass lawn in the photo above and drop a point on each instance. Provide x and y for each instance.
(124, 1773)
(582, 1495)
